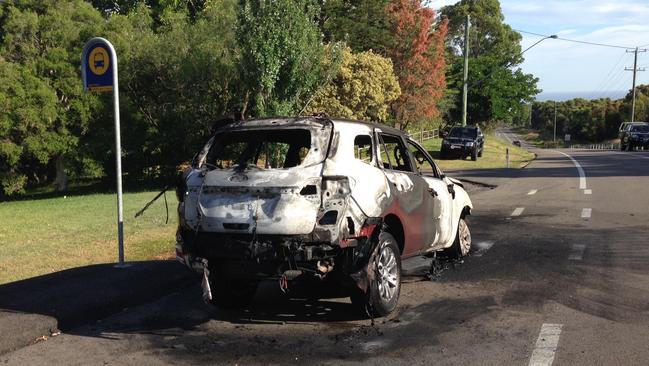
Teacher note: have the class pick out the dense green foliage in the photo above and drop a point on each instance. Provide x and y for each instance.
(584, 120)
(497, 88)
(589, 120)
(363, 88)
(185, 64)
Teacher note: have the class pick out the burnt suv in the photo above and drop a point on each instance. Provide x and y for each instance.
(462, 142)
(315, 200)
(634, 135)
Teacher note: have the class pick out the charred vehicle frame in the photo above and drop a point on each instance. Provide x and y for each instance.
(315, 198)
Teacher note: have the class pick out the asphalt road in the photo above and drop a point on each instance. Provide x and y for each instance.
(559, 274)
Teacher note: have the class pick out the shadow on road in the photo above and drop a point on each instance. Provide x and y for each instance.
(63, 300)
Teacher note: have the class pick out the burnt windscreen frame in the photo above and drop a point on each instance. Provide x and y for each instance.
(262, 149)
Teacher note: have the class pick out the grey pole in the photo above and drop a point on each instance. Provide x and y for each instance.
(118, 157)
(635, 69)
(465, 88)
(554, 138)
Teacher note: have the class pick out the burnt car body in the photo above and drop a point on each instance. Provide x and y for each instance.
(634, 135)
(313, 198)
(462, 142)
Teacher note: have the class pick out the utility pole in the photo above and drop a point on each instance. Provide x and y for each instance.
(635, 70)
(465, 89)
(554, 138)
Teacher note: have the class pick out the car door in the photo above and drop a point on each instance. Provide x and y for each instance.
(440, 216)
(413, 200)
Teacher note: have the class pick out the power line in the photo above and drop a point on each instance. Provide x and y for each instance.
(606, 80)
(576, 41)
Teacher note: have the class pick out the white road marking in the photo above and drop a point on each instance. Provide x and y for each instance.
(532, 192)
(588, 191)
(586, 212)
(580, 170)
(518, 211)
(577, 252)
(482, 247)
(546, 345)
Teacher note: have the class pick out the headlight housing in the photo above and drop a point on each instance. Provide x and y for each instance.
(470, 144)
(445, 142)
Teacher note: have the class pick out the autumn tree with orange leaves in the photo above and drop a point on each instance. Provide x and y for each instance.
(418, 57)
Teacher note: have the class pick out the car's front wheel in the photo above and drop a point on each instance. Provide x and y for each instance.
(385, 282)
(462, 243)
(474, 154)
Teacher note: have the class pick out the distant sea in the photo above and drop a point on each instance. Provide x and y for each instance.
(580, 94)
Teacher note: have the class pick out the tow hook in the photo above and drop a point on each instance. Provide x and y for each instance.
(205, 283)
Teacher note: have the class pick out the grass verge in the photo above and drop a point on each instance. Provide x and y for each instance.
(47, 235)
(493, 157)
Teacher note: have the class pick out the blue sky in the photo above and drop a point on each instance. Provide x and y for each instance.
(566, 67)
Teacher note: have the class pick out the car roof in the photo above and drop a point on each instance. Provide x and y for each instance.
(306, 120)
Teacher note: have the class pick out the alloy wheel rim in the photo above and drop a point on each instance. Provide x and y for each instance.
(465, 238)
(388, 281)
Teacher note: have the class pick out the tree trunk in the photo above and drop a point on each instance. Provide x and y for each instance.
(61, 181)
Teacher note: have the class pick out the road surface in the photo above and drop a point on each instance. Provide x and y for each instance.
(559, 274)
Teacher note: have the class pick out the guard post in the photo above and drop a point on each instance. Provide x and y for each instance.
(99, 74)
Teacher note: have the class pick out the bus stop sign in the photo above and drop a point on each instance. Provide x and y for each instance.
(97, 66)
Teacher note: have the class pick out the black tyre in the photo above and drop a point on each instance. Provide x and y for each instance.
(385, 284)
(480, 152)
(462, 244)
(622, 147)
(230, 293)
(474, 155)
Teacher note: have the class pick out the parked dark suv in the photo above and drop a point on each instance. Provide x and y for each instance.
(463, 142)
(633, 135)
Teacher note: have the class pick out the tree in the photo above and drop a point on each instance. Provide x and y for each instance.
(176, 81)
(281, 48)
(418, 57)
(41, 42)
(363, 25)
(497, 88)
(363, 88)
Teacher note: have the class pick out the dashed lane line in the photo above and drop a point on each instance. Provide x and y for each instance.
(586, 212)
(518, 211)
(588, 191)
(532, 192)
(577, 252)
(482, 247)
(580, 170)
(546, 345)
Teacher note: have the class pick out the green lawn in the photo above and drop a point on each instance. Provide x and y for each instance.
(493, 156)
(46, 235)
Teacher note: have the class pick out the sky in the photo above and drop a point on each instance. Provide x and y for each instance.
(577, 69)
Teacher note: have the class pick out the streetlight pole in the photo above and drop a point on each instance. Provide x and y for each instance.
(466, 68)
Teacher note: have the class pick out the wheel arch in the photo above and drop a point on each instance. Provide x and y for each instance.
(394, 226)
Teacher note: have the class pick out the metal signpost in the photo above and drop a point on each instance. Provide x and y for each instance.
(99, 74)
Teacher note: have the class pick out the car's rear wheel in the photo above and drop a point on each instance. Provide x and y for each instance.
(385, 282)
(474, 155)
(462, 244)
(480, 152)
